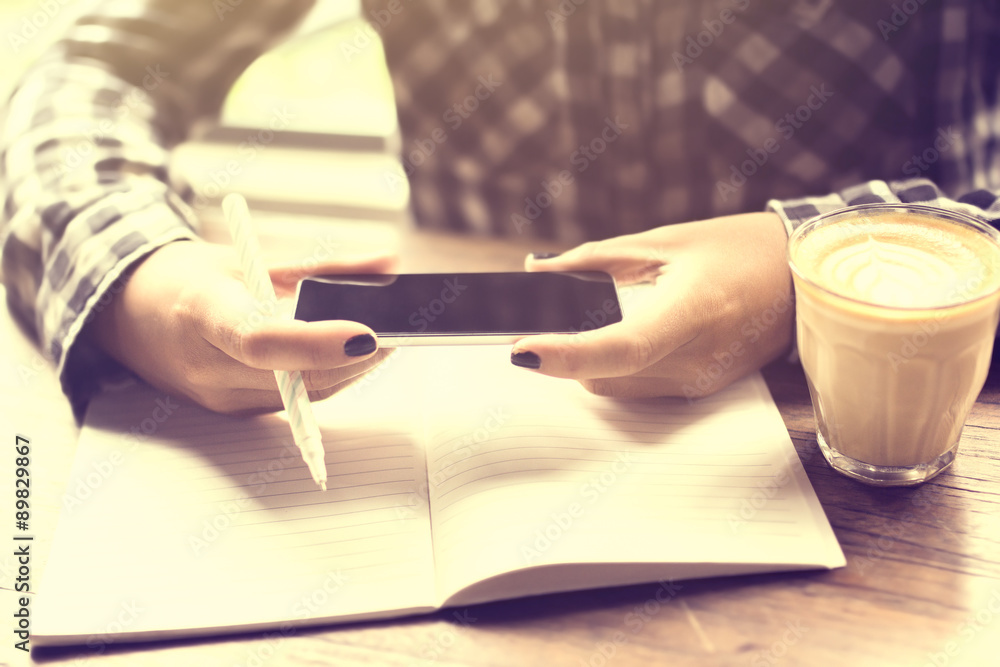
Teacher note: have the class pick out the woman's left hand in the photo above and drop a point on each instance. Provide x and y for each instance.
(721, 307)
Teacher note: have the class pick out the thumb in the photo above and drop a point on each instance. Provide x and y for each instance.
(626, 348)
(228, 317)
(287, 277)
(630, 259)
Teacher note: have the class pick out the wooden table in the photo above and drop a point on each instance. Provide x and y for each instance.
(922, 585)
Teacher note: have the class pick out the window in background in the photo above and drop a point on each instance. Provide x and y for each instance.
(332, 71)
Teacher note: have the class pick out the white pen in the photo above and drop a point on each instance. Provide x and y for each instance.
(305, 432)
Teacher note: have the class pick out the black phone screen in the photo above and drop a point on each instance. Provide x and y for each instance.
(471, 304)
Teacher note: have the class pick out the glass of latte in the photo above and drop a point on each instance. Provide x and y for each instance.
(896, 311)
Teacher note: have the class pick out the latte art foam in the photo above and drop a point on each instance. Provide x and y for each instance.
(887, 273)
(897, 264)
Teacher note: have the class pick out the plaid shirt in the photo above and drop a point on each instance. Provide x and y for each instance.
(571, 119)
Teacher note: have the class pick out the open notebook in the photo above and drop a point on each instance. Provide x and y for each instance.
(455, 478)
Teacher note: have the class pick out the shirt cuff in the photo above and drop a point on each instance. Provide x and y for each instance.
(80, 365)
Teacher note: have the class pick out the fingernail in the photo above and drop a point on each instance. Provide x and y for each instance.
(360, 345)
(544, 255)
(525, 360)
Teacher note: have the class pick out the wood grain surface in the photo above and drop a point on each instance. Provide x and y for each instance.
(922, 584)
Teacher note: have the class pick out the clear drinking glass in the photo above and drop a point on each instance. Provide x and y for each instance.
(896, 311)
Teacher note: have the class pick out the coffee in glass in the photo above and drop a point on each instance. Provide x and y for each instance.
(896, 311)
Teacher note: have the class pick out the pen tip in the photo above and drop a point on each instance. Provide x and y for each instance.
(322, 486)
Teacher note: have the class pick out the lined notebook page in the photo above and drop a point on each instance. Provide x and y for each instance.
(186, 522)
(536, 471)
(214, 523)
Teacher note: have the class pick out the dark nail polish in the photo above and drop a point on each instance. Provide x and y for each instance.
(545, 255)
(525, 360)
(360, 345)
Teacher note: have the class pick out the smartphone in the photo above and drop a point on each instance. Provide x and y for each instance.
(463, 308)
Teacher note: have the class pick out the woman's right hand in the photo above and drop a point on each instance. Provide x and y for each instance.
(187, 323)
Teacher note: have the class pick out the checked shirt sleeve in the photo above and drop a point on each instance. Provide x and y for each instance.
(84, 153)
(982, 204)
